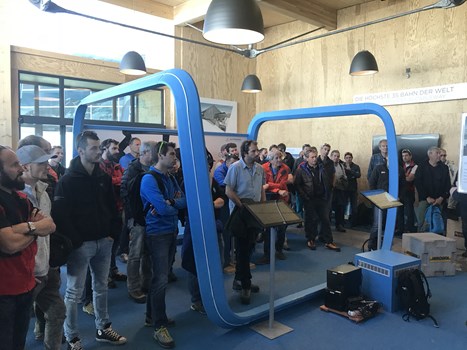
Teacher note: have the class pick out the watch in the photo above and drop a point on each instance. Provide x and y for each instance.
(32, 228)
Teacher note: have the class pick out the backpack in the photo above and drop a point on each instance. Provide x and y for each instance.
(434, 220)
(413, 298)
(138, 212)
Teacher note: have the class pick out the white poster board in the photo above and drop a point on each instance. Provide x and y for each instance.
(462, 178)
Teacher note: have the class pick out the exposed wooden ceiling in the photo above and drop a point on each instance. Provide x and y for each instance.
(275, 12)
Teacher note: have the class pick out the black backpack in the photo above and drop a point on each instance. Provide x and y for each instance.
(413, 297)
(138, 212)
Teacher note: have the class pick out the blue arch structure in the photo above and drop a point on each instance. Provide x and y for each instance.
(200, 209)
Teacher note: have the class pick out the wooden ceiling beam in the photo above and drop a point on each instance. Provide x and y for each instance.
(145, 6)
(307, 11)
(191, 11)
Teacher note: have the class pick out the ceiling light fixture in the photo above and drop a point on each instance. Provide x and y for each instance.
(251, 84)
(364, 63)
(132, 64)
(234, 22)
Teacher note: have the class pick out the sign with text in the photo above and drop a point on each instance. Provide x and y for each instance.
(419, 95)
(462, 178)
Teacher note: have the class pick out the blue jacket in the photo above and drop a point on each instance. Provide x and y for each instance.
(162, 218)
(220, 173)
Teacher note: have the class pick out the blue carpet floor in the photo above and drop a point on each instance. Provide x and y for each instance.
(312, 328)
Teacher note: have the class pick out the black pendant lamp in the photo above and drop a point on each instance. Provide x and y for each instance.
(364, 63)
(251, 84)
(234, 22)
(132, 64)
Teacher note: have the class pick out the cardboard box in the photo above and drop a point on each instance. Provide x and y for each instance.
(454, 230)
(436, 253)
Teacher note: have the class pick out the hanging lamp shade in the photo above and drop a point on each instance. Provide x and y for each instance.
(132, 64)
(364, 63)
(251, 84)
(234, 22)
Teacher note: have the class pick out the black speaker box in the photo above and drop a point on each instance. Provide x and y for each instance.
(346, 279)
(336, 300)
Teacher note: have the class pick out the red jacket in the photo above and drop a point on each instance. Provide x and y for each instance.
(114, 170)
(277, 183)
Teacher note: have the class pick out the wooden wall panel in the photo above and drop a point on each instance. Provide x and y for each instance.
(218, 74)
(432, 43)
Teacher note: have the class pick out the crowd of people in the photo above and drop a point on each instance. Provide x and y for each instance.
(109, 204)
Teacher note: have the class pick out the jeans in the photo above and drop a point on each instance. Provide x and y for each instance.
(139, 265)
(374, 227)
(96, 255)
(161, 250)
(49, 304)
(280, 239)
(317, 211)
(193, 287)
(352, 197)
(15, 311)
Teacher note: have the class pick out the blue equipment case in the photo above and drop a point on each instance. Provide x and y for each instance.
(380, 270)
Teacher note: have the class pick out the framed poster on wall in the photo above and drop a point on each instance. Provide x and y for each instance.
(219, 115)
(462, 178)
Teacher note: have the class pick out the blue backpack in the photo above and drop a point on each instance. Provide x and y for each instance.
(434, 220)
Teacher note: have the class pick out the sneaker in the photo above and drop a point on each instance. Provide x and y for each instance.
(264, 260)
(280, 256)
(89, 309)
(118, 276)
(138, 297)
(237, 286)
(108, 335)
(199, 307)
(163, 338)
(124, 258)
(75, 344)
(332, 246)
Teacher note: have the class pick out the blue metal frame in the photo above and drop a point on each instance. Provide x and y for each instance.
(192, 146)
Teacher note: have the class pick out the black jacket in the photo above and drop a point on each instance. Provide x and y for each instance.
(303, 182)
(432, 181)
(134, 168)
(379, 179)
(84, 207)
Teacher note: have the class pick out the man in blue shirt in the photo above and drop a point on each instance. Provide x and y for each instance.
(134, 145)
(161, 233)
(244, 182)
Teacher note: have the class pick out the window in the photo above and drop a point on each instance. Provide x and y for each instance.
(48, 103)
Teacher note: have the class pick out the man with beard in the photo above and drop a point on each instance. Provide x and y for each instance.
(49, 304)
(109, 164)
(84, 209)
(20, 225)
(161, 233)
(244, 184)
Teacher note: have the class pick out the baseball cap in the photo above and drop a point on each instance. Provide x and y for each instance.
(32, 154)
